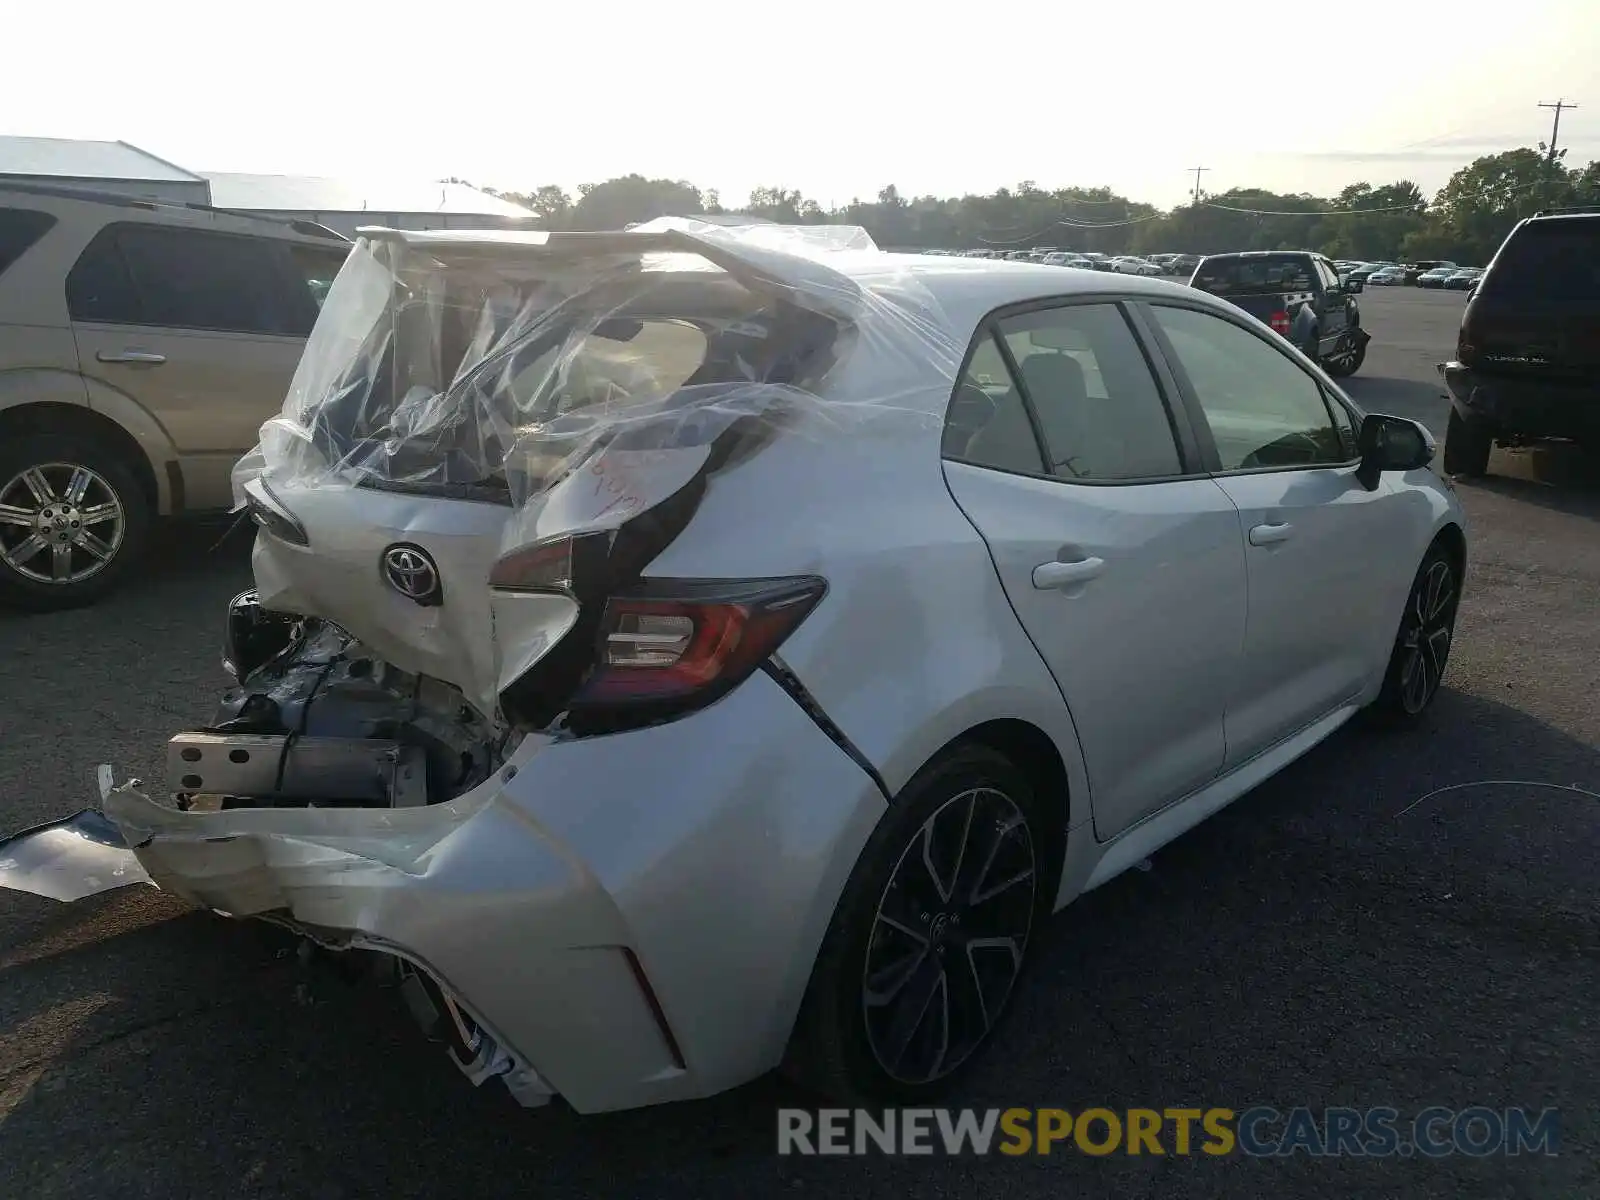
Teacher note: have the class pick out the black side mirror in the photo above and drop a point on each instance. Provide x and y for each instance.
(1391, 444)
(1353, 286)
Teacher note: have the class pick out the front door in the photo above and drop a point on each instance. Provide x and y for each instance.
(203, 330)
(1285, 453)
(1124, 566)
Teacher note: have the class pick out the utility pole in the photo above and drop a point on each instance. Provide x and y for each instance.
(1198, 171)
(1555, 129)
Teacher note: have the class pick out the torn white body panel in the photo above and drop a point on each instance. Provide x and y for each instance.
(552, 902)
(71, 859)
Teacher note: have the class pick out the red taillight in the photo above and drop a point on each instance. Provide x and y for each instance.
(659, 648)
(640, 650)
(1279, 322)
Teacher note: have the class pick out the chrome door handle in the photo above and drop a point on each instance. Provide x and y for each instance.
(1269, 535)
(144, 357)
(1067, 574)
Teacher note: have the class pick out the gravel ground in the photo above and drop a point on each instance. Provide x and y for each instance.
(1314, 944)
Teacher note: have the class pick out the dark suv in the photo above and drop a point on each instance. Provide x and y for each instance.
(1527, 361)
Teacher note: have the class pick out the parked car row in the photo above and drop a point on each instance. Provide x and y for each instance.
(1121, 264)
(1425, 274)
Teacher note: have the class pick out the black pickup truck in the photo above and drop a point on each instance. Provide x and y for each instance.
(1297, 293)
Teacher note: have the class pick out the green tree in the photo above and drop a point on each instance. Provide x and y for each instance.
(1466, 220)
(550, 202)
(1475, 210)
(618, 203)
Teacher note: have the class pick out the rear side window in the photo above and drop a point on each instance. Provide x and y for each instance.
(20, 228)
(184, 279)
(1098, 406)
(1100, 416)
(1548, 265)
(1247, 276)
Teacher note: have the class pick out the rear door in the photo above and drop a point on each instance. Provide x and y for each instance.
(202, 329)
(1124, 564)
(1317, 543)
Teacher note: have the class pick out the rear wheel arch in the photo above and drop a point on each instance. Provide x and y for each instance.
(1031, 750)
(1453, 539)
(824, 1051)
(74, 420)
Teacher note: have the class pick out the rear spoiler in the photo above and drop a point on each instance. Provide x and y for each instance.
(820, 287)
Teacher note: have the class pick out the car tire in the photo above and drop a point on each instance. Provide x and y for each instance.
(75, 548)
(1343, 362)
(1466, 446)
(1422, 643)
(902, 998)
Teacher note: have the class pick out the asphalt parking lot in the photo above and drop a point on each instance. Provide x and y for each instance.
(1321, 942)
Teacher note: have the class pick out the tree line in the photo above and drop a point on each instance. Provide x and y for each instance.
(1465, 221)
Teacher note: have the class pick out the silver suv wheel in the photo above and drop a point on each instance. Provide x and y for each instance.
(60, 523)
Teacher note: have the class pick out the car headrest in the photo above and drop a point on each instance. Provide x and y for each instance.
(1057, 376)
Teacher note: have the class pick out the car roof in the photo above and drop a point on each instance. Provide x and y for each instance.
(1262, 254)
(967, 289)
(184, 212)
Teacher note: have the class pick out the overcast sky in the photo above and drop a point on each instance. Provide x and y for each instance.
(835, 99)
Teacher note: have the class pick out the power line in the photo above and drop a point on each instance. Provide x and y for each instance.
(1295, 212)
(1198, 171)
(1555, 130)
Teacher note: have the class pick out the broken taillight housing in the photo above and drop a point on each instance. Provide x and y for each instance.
(643, 650)
(268, 512)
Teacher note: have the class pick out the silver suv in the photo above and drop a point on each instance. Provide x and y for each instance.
(141, 347)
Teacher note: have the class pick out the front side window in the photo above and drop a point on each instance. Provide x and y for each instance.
(196, 280)
(318, 267)
(182, 279)
(1262, 409)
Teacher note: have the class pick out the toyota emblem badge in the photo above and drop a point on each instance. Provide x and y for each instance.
(410, 570)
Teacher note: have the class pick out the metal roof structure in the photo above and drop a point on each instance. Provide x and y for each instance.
(302, 193)
(68, 158)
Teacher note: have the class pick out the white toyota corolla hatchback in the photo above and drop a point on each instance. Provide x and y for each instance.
(692, 650)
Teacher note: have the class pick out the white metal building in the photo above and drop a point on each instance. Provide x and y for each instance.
(341, 204)
(101, 166)
(347, 204)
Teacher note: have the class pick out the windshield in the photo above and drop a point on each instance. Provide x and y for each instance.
(489, 372)
(1548, 265)
(1247, 276)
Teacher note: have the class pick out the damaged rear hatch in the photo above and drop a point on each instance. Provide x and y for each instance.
(478, 417)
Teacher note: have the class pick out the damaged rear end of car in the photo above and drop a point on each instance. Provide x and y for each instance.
(491, 443)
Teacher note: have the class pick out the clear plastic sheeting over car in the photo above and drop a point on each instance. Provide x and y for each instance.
(583, 378)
